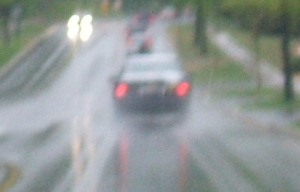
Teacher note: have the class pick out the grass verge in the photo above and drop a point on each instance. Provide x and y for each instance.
(211, 70)
(13, 175)
(227, 79)
(29, 31)
(269, 44)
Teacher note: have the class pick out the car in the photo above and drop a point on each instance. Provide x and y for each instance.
(144, 17)
(133, 28)
(138, 39)
(139, 43)
(150, 82)
(80, 27)
(168, 13)
(140, 23)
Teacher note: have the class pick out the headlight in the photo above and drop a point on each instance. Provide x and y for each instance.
(80, 27)
(86, 27)
(73, 21)
(86, 33)
(73, 27)
(86, 21)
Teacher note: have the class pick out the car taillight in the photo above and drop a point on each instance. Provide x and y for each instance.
(183, 89)
(129, 41)
(121, 90)
(149, 42)
(127, 33)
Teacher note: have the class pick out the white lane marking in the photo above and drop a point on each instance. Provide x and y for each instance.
(47, 65)
(94, 173)
(83, 143)
(76, 147)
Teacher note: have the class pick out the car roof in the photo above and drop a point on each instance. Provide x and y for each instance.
(153, 58)
(152, 67)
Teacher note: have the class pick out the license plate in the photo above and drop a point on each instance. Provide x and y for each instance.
(150, 90)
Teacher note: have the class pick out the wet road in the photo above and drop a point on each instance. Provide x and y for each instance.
(67, 137)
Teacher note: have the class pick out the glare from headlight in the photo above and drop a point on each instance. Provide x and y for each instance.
(86, 20)
(73, 27)
(73, 32)
(86, 28)
(73, 21)
(80, 28)
(86, 32)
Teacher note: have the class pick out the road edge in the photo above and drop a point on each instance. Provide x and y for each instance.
(27, 49)
(10, 176)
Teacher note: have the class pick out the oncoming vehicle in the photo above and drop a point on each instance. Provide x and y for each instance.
(152, 81)
(80, 27)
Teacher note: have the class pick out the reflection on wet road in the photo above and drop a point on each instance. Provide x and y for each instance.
(69, 137)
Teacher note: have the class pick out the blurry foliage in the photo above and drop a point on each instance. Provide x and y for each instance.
(269, 17)
(203, 9)
(5, 7)
(131, 6)
(246, 13)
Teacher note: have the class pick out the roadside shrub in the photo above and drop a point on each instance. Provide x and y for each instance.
(246, 13)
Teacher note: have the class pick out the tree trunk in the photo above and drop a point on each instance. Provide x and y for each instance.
(5, 12)
(201, 28)
(287, 68)
(257, 54)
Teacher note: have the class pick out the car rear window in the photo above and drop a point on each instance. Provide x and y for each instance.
(154, 67)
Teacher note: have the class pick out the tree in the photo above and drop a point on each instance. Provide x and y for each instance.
(5, 8)
(287, 68)
(269, 16)
(201, 27)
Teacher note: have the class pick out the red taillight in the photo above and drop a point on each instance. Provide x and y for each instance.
(127, 32)
(121, 90)
(130, 41)
(149, 42)
(183, 89)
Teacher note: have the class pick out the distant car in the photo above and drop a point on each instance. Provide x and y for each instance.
(168, 13)
(138, 39)
(135, 28)
(80, 27)
(139, 43)
(152, 81)
(144, 17)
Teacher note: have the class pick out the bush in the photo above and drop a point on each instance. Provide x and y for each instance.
(247, 13)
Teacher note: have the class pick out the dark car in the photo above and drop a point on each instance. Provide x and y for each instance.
(150, 82)
(139, 23)
(133, 28)
(139, 43)
(144, 17)
(138, 39)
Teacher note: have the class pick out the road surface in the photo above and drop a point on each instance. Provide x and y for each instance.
(60, 132)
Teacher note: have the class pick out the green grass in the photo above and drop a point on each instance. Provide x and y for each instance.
(29, 31)
(226, 78)
(214, 67)
(269, 45)
(225, 72)
(272, 99)
(62, 10)
(265, 98)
